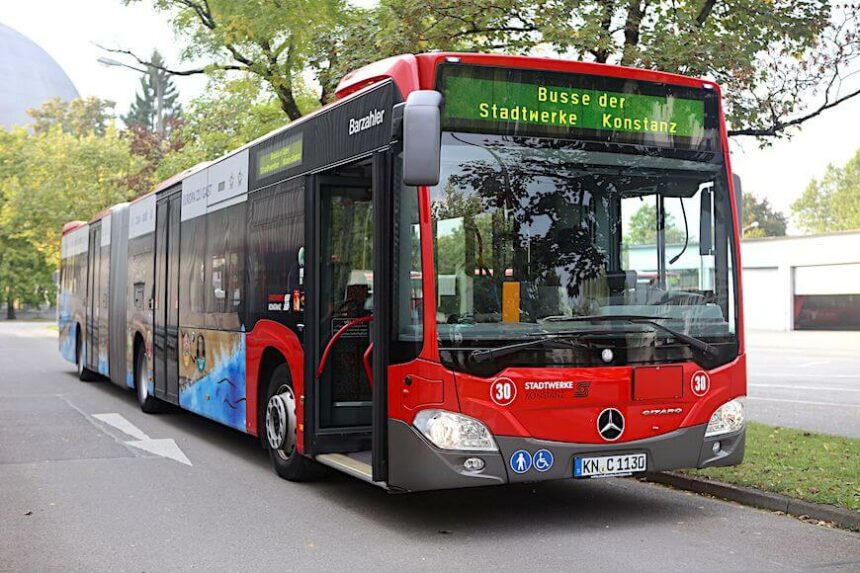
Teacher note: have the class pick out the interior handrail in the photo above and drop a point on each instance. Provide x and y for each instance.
(337, 335)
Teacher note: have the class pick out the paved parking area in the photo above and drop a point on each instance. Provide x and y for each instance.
(808, 380)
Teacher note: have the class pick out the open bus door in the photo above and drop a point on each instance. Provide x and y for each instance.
(345, 378)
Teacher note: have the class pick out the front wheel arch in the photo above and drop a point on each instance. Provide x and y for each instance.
(295, 466)
(272, 358)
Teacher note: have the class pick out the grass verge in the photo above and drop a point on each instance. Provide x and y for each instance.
(813, 467)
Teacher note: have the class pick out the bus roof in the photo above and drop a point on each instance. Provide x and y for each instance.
(171, 181)
(411, 72)
(72, 225)
(105, 212)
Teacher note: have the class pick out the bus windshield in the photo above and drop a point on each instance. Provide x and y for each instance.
(530, 231)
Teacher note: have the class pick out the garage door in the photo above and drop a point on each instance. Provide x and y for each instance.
(827, 279)
(827, 297)
(762, 299)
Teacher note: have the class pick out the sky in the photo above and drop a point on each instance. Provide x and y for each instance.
(70, 29)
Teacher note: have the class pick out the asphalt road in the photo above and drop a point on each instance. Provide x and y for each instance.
(808, 380)
(75, 495)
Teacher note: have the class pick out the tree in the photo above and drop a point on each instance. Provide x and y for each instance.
(79, 117)
(26, 276)
(268, 39)
(771, 57)
(761, 219)
(54, 177)
(156, 107)
(227, 116)
(833, 202)
(642, 229)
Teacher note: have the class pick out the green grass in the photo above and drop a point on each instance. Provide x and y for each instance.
(804, 465)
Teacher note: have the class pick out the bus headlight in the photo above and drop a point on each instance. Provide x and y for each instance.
(726, 419)
(450, 431)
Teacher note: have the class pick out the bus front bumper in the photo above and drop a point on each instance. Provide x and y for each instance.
(416, 465)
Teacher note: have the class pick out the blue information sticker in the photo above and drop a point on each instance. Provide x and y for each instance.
(543, 460)
(521, 461)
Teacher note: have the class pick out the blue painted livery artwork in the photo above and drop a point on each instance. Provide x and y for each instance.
(66, 324)
(212, 375)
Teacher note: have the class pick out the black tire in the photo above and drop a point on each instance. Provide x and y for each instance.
(84, 373)
(148, 403)
(279, 438)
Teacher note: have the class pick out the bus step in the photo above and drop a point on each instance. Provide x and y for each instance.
(352, 464)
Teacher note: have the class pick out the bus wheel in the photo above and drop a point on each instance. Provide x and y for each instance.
(148, 403)
(280, 428)
(84, 373)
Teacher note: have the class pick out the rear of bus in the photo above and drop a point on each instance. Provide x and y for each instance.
(585, 254)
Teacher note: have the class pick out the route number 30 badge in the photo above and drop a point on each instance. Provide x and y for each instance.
(503, 391)
(700, 383)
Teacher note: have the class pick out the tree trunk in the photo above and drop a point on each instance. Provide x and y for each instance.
(10, 307)
(288, 103)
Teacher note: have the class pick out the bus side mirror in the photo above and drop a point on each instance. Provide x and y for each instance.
(422, 138)
(739, 198)
(706, 227)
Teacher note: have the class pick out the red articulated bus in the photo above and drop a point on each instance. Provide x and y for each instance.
(431, 283)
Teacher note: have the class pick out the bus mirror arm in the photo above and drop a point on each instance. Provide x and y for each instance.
(397, 121)
(422, 138)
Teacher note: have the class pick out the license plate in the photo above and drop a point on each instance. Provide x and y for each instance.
(601, 466)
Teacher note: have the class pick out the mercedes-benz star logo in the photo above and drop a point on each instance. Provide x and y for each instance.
(610, 424)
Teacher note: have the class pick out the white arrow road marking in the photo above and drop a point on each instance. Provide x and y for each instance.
(166, 447)
(122, 425)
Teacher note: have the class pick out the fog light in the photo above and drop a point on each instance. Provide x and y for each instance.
(474, 464)
(716, 447)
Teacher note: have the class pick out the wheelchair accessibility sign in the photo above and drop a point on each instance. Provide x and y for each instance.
(543, 460)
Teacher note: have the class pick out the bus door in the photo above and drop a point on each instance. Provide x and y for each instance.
(166, 320)
(348, 287)
(93, 286)
(344, 302)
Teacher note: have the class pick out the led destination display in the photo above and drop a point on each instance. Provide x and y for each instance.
(521, 102)
(285, 155)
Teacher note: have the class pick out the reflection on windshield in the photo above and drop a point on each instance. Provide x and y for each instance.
(528, 230)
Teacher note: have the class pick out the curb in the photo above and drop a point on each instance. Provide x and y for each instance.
(756, 498)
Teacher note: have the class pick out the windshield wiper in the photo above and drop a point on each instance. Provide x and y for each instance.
(481, 356)
(696, 343)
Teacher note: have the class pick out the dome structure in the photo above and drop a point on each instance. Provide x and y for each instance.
(28, 78)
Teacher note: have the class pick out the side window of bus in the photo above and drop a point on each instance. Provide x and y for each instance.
(225, 258)
(192, 273)
(276, 233)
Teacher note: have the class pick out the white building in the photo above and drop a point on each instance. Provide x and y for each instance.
(802, 282)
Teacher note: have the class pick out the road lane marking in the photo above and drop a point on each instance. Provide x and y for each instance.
(802, 402)
(813, 363)
(122, 425)
(166, 448)
(163, 447)
(791, 386)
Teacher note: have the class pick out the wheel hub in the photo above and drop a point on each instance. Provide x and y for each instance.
(281, 421)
